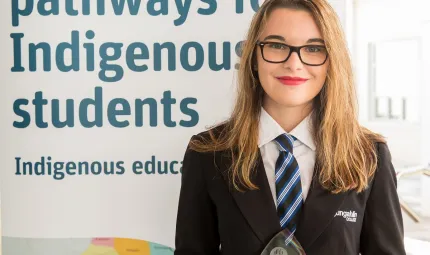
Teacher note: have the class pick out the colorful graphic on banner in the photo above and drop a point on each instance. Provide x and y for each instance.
(81, 246)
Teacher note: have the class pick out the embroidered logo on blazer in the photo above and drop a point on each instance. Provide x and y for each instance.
(348, 216)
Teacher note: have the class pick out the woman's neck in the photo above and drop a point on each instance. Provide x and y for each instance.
(287, 117)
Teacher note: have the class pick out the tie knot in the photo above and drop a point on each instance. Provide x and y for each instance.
(285, 142)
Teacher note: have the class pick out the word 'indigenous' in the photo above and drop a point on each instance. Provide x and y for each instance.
(139, 56)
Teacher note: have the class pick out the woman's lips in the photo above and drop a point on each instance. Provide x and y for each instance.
(292, 81)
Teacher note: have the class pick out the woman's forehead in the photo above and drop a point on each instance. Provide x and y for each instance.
(292, 25)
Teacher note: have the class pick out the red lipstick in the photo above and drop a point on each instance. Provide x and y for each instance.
(292, 81)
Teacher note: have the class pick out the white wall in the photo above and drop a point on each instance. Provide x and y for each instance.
(425, 152)
(426, 94)
(376, 20)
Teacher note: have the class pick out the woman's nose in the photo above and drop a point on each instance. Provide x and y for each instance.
(293, 62)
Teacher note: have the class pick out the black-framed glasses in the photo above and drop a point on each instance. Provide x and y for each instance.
(276, 52)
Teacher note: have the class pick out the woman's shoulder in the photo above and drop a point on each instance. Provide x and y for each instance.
(385, 174)
(204, 146)
(381, 153)
(383, 150)
(381, 146)
(378, 141)
(211, 134)
(209, 141)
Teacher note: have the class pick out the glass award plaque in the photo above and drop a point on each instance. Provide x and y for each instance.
(283, 243)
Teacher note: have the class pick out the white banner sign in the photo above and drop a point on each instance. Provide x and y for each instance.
(98, 100)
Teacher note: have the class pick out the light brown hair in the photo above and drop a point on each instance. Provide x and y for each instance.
(346, 156)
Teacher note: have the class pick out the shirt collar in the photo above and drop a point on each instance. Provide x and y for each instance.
(270, 129)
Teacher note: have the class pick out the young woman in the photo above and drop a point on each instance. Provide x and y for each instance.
(292, 155)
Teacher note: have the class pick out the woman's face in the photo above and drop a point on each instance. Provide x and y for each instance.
(295, 28)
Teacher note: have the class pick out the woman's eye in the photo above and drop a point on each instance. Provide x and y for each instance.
(313, 49)
(278, 46)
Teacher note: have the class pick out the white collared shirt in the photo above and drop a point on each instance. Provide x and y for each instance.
(303, 150)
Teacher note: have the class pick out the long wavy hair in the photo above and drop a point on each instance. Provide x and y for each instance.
(346, 155)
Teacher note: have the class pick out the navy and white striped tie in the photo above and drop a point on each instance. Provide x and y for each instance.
(288, 185)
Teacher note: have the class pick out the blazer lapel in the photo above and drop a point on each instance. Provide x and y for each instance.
(257, 206)
(317, 212)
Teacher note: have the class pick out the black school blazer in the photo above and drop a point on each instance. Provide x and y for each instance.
(215, 219)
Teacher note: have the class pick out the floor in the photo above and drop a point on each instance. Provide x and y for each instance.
(420, 231)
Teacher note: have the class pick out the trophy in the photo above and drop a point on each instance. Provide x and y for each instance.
(283, 243)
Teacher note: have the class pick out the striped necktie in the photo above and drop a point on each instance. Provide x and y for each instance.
(288, 184)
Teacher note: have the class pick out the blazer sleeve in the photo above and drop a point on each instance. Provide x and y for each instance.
(196, 223)
(382, 231)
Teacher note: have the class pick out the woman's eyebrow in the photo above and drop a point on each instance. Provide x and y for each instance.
(280, 38)
(315, 40)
